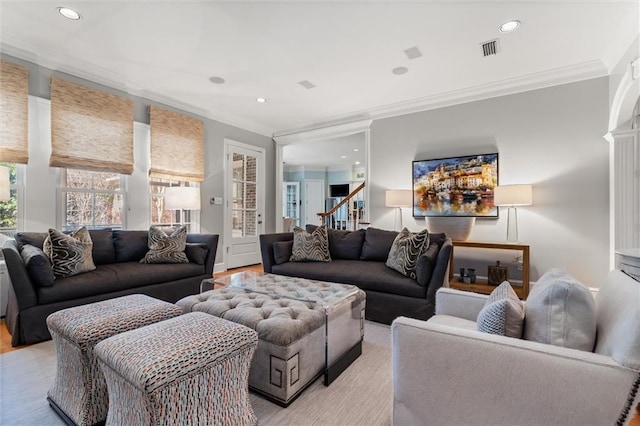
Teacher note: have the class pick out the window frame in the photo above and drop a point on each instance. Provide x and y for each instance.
(62, 189)
(17, 186)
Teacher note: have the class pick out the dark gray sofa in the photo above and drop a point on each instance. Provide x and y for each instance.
(358, 258)
(118, 272)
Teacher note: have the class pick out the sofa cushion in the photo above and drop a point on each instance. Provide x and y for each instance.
(427, 263)
(116, 277)
(38, 265)
(165, 248)
(405, 250)
(561, 311)
(377, 244)
(343, 244)
(282, 251)
(310, 247)
(369, 276)
(70, 254)
(35, 239)
(104, 251)
(131, 246)
(503, 313)
(196, 252)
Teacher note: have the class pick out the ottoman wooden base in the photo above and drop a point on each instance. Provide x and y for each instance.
(79, 391)
(189, 370)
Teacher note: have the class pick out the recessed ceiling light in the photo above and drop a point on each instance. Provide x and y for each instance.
(216, 80)
(507, 27)
(355, 149)
(69, 13)
(356, 163)
(400, 70)
(343, 156)
(261, 100)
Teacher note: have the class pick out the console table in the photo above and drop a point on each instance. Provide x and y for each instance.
(481, 285)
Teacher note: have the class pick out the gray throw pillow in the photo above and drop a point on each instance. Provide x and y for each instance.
(38, 265)
(405, 250)
(282, 251)
(427, 263)
(503, 313)
(196, 252)
(310, 247)
(561, 311)
(70, 254)
(165, 248)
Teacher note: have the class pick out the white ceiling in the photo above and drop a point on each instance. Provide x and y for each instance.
(326, 154)
(168, 50)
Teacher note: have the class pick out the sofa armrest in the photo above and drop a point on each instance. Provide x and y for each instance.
(266, 248)
(23, 287)
(441, 271)
(458, 303)
(211, 240)
(454, 376)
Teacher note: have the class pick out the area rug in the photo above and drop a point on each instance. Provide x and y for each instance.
(362, 395)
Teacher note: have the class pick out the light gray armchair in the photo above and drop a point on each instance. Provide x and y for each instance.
(446, 372)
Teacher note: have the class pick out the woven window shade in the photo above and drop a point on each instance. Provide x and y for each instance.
(90, 129)
(177, 146)
(14, 107)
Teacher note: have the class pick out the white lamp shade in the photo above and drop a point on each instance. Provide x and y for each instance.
(182, 198)
(513, 195)
(398, 198)
(5, 185)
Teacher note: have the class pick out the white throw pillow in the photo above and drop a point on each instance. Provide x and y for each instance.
(503, 313)
(561, 311)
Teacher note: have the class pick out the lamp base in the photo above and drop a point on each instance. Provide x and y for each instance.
(512, 224)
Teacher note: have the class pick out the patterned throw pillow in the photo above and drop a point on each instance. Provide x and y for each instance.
(165, 248)
(69, 254)
(503, 313)
(310, 247)
(405, 251)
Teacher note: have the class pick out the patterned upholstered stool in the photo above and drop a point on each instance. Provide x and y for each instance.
(189, 370)
(79, 391)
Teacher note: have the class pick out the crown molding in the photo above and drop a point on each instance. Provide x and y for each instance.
(534, 81)
(339, 125)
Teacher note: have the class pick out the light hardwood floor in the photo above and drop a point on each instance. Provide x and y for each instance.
(5, 337)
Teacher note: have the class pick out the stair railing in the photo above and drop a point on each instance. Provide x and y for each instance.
(354, 216)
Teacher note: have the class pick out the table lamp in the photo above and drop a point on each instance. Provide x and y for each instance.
(182, 198)
(398, 198)
(512, 196)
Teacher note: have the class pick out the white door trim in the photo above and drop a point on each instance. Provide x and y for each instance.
(227, 234)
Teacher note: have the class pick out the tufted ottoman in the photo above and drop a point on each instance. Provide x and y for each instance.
(189, 370)
(79, 391)
(305, 328)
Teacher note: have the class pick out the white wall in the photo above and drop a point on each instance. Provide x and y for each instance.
(551, 138)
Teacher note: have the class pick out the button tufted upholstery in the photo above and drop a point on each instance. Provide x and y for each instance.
(279, 321)
(289, 315)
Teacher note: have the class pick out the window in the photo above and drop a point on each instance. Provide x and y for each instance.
(160, 216)
(91, 199)
(9, 208)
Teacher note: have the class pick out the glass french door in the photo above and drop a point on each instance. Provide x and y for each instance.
(245, 205)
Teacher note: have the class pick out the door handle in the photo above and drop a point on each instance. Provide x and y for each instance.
(259, 219)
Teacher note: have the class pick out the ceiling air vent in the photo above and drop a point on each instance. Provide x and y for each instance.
(490, 47)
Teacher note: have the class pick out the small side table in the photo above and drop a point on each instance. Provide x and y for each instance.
(210, 284)
(481, 286)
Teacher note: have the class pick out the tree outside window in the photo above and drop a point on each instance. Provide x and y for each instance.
(9, 208)
(92, 199)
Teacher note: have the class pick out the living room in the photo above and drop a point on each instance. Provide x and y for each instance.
(547, 122)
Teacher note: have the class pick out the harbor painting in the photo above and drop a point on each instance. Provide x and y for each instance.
(455, 186)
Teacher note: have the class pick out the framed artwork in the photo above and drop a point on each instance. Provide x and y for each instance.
(455, 186)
